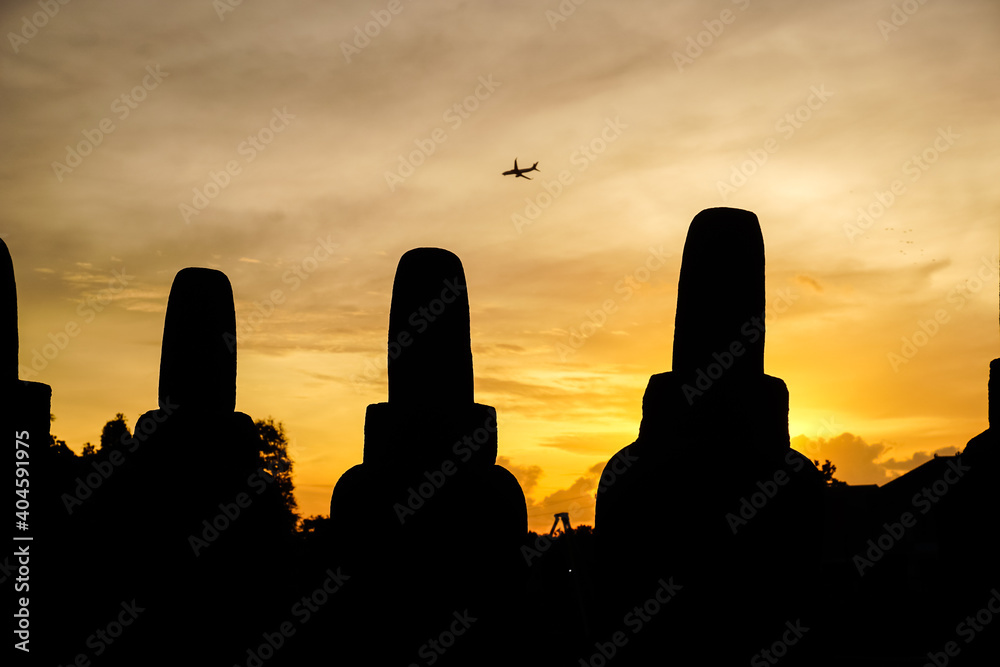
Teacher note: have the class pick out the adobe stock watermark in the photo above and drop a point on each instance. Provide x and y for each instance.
(581, 158)
(927, 329)
(899, 17)
(223, 7)
(968, 629)
(86, 486)
(542, 544)
(31, 25)
(454, 116)
(249, 148)
(432, 650)
(779, 649)
(229, 512)
(767, 490)
(914, 167)
(566, 9)
(103, 637)
(751, 330)
(8, 569)
(365, 33)
(616, 469)
(122, 106)
(636, 621)
(302, 611)
(419, 321)
(295, 276)
(88, 311)
(785, 127)
(924, 501)
(596, 318)
(827, 425)
(464, 449)
(704, 39)
(619, 464)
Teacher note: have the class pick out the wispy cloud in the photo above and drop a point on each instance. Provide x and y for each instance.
(325, 175)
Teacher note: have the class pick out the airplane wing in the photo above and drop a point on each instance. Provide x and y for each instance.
(515, 164)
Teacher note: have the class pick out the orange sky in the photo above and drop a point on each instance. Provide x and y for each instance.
(314, 159)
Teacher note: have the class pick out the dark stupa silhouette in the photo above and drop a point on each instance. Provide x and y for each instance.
(430, 526)
(734, 511)
(26, 405)
(986, 446)
(189, 516)
(708, 525)
(198, 358)
(37, 522)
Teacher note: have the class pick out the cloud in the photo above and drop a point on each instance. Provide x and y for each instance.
(919, 458)
(578, 500)
(563, 396)
(588, 443)
(324, 175)
(527, 476)
(809, 281)
(859, 462)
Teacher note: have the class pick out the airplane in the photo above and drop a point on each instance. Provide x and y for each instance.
(520, 172)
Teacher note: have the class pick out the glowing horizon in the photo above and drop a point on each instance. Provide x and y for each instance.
(269, 143)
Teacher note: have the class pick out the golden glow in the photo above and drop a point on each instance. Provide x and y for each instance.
(636, 147)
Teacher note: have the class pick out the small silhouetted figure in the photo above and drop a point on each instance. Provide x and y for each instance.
(735, 512)
(431, 526)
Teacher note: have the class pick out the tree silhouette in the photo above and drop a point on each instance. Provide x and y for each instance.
(60, 448)
(114, 433)
(276, 461)
(314, 525)
(56, 446)
(827, 470)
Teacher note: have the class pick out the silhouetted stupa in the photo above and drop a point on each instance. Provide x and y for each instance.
(429, 515)
(710, 496)
(37, 521)
(189, 515)
(26, 404)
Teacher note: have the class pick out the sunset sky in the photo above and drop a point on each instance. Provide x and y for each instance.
(301, 147)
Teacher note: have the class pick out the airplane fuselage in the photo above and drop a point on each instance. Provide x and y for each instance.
(520, 173)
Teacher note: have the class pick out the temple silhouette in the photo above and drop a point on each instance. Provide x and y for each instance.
(26, 407)
(733, 506)
(428, 515)
(218, 523)
(714, 541)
